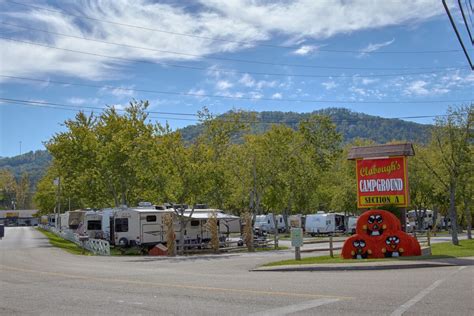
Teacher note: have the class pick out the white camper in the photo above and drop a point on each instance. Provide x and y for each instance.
(141, 226)
(324, 223)
(351, 224)
(196, 229)
(92, 225)
(265, 223)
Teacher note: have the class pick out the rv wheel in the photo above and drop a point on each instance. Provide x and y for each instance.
(123, 242)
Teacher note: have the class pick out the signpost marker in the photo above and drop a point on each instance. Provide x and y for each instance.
(297, 241)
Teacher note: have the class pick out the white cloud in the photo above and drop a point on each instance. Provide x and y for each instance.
(223, 85)
(305, 50)
(324, 18)
(375, 47)
(367, 81)
(235, 20)
(418, 87)
(247, 80)
(277, 96)
(329, 85)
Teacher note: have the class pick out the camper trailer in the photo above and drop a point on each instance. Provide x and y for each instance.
(324, 223)
(92, 225)
(351, 224)
(139, 226)
(75, 219)
(266, 223)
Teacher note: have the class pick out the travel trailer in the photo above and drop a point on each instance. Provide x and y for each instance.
(427, 220)
(138, 226)
(324, 223)
(75, 218)
(196, 229)
(266, 224)
(351, 224)
(92, 225)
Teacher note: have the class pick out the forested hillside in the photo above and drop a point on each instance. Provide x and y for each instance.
(350, 124)
(34, 163)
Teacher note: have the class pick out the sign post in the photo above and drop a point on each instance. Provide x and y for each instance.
(297, 241)
(382, 176)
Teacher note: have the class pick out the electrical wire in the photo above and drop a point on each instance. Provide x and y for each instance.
(260, 62)
(207, 69)
(53, 105)
(199, 95)
(220, 39)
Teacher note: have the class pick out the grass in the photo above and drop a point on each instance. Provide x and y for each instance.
(465, 249)
(438, 250)
(64, 244)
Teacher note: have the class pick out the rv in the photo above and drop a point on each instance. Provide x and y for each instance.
(75, 219)
(266, 223)
(196, 229)
(139, 226)
(324, 223)
(92, 225)
(426, 218)
(351, 224)
(296, 221)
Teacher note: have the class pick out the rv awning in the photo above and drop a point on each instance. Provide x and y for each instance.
(202, 215)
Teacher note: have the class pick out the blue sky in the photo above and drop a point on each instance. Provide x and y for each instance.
(298, 56)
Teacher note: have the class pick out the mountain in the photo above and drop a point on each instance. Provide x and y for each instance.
(34, 163)
(350, 124)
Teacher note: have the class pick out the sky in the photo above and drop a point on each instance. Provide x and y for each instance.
(390, 58)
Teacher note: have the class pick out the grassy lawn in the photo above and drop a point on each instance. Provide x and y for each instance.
(439, 251)
(64, 244)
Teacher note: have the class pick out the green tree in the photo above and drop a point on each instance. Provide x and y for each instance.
(450, 153)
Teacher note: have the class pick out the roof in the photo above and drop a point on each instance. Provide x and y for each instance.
(405, 149)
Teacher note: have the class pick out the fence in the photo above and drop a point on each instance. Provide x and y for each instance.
(424, 238)
(330, 241)
(96, 246)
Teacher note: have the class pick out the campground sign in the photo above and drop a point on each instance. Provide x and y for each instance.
(382, 181)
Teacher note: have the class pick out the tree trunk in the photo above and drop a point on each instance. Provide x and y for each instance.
(452, 213)
(467, 213)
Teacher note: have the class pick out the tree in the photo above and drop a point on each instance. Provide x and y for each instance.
(450, 153)
(7, 188)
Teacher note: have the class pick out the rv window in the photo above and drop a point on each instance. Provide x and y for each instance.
(194, 223)
(151, 218)
(121, 225)
(94, 225)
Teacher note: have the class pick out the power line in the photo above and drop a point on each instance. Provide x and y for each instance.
(220, 39)
(187, 67)
(53, 105)
(457, 34)
(465, 22)
(199, 95)
(261, 62)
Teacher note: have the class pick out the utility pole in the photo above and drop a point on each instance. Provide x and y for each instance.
(20, 147)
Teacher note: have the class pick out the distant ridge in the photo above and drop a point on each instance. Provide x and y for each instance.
(350, 124)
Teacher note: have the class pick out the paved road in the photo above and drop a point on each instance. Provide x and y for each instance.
(38, 279)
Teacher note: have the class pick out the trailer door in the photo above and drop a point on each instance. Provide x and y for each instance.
(152, 230)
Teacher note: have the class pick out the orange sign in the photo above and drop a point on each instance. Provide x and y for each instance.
(382, 181)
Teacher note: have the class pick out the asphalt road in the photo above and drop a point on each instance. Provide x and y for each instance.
(36, 278)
